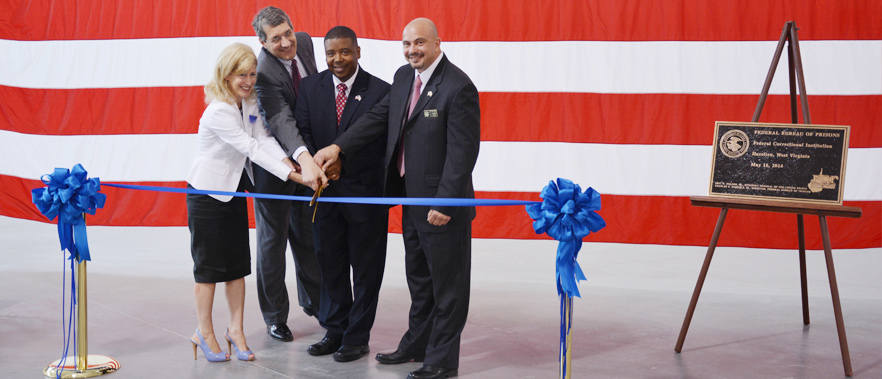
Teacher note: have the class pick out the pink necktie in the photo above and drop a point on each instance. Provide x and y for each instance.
(414, 97)
(341, 101)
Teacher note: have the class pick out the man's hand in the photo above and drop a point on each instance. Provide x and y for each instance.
(333, 172)
(292, 165)
(295, 176)
(437, 218)
(327, 156)
(313, 176)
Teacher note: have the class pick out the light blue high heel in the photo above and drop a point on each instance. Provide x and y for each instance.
(209, 355)
(246, 355)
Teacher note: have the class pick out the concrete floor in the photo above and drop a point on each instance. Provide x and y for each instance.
(748, 322)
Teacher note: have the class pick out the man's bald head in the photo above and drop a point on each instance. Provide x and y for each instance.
(421, 43)
(423, 24)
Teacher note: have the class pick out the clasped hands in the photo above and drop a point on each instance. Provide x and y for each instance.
(328, 159)
(310, 174)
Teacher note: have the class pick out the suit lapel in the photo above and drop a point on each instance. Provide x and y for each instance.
(305, 53)
(431, 89)
(247, 111)
(279, 71)
(328, 100)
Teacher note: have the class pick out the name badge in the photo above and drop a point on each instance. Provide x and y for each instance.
(430, 113)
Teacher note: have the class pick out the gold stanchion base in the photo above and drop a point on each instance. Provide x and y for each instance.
(98, 365)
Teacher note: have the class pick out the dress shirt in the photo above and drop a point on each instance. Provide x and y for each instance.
(348, 82)
(427, 73)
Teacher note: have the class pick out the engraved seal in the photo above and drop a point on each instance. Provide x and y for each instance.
(734, 143)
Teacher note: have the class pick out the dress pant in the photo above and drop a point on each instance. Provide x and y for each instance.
(348, 309)
(279, 221)
(438, 268)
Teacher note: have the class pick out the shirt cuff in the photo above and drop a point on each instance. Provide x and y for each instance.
(297, 153)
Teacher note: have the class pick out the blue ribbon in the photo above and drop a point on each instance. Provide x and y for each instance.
(69, 194)
(425, 201)
(567, 214)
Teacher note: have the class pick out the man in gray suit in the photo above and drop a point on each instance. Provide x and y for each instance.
(433, 118)
(285, 58)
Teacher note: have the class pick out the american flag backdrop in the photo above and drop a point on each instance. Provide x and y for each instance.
(618, 95)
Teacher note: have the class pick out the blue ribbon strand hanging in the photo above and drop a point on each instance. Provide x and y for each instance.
(568, 215)
(68, 195)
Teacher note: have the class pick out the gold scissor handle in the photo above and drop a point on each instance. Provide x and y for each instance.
(312, 202)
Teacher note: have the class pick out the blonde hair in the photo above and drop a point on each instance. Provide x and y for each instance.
(234, 59)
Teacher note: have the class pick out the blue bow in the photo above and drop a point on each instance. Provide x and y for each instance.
(69, 194)
(567, 215)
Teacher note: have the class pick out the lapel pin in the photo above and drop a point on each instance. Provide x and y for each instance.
(358, 97)
(252, 118)
(430, 93)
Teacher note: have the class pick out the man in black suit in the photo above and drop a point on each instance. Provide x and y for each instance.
(346, 234)
(432, 120)
(285, 58)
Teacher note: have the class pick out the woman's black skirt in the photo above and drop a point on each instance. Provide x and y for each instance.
(219, 236)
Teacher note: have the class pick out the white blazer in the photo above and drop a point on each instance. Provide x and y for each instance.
(225, 139)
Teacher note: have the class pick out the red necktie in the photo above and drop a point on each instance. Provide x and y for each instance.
(414, 97)
(295, 76)
(341, 101)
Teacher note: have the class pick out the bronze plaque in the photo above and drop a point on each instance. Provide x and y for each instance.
(793, 162)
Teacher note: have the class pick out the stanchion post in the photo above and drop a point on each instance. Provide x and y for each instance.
(101, 364)
(82, 351)
(566, 345)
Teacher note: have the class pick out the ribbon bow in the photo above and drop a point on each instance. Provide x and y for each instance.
(567, 215)
(68, 195)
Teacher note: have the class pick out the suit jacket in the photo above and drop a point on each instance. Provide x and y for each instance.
(441, 140)
(277, 100)
(224, 140)
(316, 115)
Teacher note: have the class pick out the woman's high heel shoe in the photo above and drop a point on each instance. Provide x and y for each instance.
(210, 355)
(246, 355)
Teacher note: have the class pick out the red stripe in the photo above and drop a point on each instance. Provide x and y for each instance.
(674, 119)
(457, 20)
(674, 221)
(630, 219)
(151, 110)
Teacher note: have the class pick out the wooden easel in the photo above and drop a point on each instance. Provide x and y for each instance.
(800, 209)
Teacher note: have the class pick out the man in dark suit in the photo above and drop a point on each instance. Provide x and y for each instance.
(346, 234)
(431, 151)
(285, 58)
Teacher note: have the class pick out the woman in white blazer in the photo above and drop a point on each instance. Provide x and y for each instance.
(231, 138)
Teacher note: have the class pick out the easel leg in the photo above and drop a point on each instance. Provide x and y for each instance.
(834, 292)
(701, 277)
(802, 272)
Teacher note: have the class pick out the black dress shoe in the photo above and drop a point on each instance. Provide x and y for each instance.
(280, 332)
(432, 372)
(324, 347)
(397, 357)
(348, 353)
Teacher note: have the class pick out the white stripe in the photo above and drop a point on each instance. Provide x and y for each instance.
(127, 157)
(665, 170)
(728, 67)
